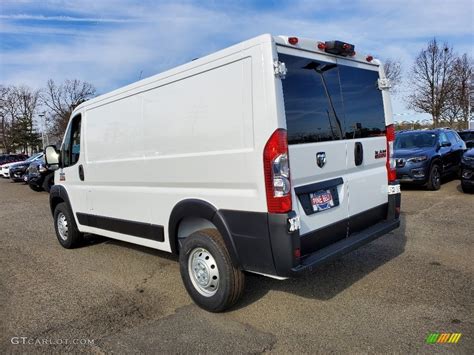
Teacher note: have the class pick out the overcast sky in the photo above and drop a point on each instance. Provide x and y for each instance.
(111, 43)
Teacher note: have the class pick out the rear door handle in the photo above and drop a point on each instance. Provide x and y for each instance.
(81, 172)
(358, 153)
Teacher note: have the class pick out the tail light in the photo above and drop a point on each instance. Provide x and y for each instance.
(277, 173)
(391, 171)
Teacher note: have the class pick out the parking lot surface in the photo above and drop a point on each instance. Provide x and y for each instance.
(110, 296)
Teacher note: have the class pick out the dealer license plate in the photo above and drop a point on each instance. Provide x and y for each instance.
(321, 200)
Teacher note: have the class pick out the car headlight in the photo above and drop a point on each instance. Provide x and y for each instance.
(42, 168)
(417, 159)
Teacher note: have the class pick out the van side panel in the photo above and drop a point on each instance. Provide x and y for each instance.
(188, 136)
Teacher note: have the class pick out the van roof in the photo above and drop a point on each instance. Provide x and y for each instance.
(306, 44)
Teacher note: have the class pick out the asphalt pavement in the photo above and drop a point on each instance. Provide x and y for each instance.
(113, 297)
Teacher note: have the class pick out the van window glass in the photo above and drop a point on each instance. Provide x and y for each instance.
(363, 105)
(326, 101)
(313, 101)
(72, 143)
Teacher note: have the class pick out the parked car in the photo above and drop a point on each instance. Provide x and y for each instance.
(238, 161)
(10, 160)
(425, 156)
(39, 176)
(467, 171)
(468, 137)
(18, 170)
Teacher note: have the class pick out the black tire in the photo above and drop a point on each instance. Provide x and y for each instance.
(35, 187)
(48, 182)
(230, 280)
(467, 189)
(71, 237)
(434, 179)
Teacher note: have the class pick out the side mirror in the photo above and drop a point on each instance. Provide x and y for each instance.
(51, 156)
(446, 144)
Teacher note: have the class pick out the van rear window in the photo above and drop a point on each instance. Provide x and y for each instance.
(326, 101)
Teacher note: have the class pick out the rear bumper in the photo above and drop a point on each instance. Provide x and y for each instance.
(264, 244)
(344, 246)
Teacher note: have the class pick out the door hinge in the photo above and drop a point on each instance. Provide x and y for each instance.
(384, 84)
(279, 68)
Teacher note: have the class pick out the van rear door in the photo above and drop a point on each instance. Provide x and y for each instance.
(337, 146)
(364, 120)
(316, 146)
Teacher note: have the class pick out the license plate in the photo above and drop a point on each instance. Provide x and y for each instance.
(321, 200)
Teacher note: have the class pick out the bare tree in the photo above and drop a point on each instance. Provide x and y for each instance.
(431, 79)
(463, 76)
(393, 71)
(24, 135)
(62, 99)
(457, 111)
(18, 106)
(8, 115)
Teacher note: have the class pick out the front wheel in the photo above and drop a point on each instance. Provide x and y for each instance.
(208, 274)
(35, 187)
(434, 179)
(65, 226)
(467, 189)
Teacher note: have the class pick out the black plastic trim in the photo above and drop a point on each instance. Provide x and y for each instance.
(284, 244)
(250, 236)
(344, 246)
(358, 153)
(137, 229)
(306, 189)
(57, 194)
(303, 192)
(321, 238)
(200, 209)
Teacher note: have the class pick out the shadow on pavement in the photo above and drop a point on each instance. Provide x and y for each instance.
(331, 279)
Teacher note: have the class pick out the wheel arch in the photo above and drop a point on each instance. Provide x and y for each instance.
(57, 195)
(438, 161)
(198, 211)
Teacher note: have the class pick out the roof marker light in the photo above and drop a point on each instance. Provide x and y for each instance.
(293, 40)
(369, 58)
(321, 46)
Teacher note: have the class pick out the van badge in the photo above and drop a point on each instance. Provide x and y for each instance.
(380, 154)
(321, 159)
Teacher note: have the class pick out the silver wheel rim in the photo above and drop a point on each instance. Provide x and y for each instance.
(203, 271)
(62, 226)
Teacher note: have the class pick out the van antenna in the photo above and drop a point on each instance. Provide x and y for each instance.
(140, 76)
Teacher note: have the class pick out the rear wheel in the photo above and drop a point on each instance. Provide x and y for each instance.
(66, 229)
(434, 179)
(208, 274)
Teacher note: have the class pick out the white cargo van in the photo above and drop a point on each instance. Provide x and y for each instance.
(272, 156)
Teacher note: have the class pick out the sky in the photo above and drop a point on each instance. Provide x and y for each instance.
(111, 43)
